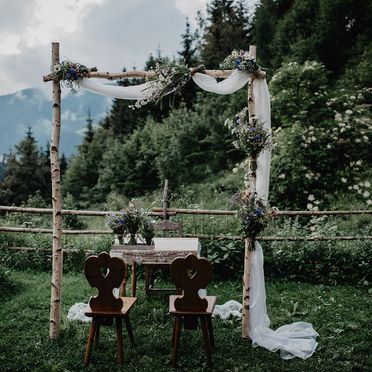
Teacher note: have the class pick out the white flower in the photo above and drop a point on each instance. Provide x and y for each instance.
(343, 179)
(355, 187)
(311, 197)
(235, 170)
(315, 208)
(281, 176)
(359, 162)
(367, 184)
(309, 206)
(366, 194)
(369, 202)
(348, 112)
(350, 187)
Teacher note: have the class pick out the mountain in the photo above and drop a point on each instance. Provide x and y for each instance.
(33, 108)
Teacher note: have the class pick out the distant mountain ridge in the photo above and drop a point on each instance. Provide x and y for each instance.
(33, 108)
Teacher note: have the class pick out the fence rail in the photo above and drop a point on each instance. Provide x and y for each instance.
(174, 211)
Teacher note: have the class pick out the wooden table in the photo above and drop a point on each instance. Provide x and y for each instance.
(163, 251)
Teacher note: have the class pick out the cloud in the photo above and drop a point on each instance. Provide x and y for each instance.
(109, 34)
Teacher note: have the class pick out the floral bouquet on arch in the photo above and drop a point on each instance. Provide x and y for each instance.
(253, 213)
(250, 137)
(240, 60)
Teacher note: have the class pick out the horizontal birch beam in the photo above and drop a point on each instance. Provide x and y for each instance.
(158, 212)
(223, 212)
(138, 74)
(217, 74)
(280, 238)
(36, 230)
(65, 211)
(200, 236)
(48, 250)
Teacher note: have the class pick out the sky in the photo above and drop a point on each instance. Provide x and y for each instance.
(108, 34)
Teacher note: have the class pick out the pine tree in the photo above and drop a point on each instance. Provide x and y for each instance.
(25, 173)
(190, 58)
(226, 28)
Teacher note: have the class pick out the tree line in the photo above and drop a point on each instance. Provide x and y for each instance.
(317, 142)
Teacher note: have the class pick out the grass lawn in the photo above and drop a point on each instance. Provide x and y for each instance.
(341, 315)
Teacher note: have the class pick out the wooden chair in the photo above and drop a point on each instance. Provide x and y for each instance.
(106, 273)
(191, 274)
(166, 227)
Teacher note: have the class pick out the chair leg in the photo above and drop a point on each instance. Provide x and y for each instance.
(207, 342)
(147, 280)
(119, 338)
(210, 331)
(129, 329)
(96, 338)
(176, 339)
(90, 342)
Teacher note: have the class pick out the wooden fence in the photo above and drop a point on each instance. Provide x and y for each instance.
(166, 212)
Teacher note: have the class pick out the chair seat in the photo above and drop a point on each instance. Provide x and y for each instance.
(128, 302)
(211, 304)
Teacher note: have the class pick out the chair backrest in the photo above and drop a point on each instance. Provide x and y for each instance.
(169, 226)
(105, 273)
(191, 274)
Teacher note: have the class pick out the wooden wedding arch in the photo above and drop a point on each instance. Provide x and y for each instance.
(57, 254)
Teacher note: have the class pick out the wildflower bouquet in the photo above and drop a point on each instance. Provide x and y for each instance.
(253, 213)
(241, 60)
(168, 79)
(117, 222)
(250, 137)
(70, 73)
(147, 229)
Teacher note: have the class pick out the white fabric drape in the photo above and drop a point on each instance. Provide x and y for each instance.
(234, 82)
(133, 92)
(293, 340)
(296, 339)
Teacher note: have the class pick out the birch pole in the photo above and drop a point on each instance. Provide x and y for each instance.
(57, 257)
(251, 188)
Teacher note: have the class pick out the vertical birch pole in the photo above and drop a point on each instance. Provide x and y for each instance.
(249, 242)
(57, 259)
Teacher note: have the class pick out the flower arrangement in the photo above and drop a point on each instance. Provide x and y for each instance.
(168, 79)
(250, 137)
(117, 222)
(130, 220)
(253, 213)
(147, 229)
(241, 60)
(70, 73)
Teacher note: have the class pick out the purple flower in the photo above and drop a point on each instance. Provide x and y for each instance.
(252, 129)
(259, 212)
(257, 138)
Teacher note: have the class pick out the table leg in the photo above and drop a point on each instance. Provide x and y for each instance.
(134, 283)
(124, 282)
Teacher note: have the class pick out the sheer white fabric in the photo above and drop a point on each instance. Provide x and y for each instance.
(296, 339)
(234, 82)
(133, 92)
(293, 340)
